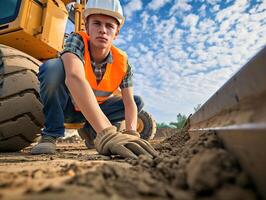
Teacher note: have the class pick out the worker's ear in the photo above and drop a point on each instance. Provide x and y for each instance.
(117, 33)
(87, 25)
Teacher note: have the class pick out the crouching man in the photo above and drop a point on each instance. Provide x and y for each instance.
(79, 86)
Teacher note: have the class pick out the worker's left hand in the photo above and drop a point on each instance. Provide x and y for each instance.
(111, 142)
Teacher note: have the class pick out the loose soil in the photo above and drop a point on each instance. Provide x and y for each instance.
(188, 167)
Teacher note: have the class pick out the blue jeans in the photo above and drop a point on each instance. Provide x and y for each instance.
(57, 104)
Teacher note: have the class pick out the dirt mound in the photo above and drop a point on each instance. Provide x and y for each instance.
(187, 168)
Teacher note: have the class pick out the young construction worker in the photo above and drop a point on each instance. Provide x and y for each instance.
(78, 87)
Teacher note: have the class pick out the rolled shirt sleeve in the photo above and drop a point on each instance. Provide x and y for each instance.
(128, 79)
(74, 44)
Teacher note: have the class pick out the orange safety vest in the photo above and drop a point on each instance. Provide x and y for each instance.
(114, 73)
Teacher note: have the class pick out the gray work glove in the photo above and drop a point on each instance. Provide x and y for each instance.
(111, 142)
(131, 132)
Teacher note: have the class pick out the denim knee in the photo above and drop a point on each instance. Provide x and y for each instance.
(51, 75)
(139, 102)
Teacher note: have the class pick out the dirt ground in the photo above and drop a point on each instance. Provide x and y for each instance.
(188, 167)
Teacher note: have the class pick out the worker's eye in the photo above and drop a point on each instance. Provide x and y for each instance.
(110, 26)
(97, 23)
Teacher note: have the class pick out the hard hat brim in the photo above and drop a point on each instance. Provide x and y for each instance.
(91, 11)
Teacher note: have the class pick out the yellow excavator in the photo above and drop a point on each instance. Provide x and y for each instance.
(32, 31)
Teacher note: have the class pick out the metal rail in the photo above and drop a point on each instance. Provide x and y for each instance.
(237, 113)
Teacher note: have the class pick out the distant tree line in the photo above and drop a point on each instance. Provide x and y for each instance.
(180, 120)
(179, 123)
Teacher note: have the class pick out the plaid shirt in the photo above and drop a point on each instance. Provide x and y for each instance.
(74, 44)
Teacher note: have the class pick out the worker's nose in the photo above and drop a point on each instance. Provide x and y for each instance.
(102, 29)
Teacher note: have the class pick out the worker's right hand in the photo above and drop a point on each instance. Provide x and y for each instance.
(131, 132)
(110, 142)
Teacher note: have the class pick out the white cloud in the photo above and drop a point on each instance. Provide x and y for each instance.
(130, 35)
(143, 48)
(133, 51)
(207, 26)
(238, 7)
(120, 41)
(216, 8)
(131, 7)
(262, 6)
(166, 27)
(190, 20)
(213, 2)
(225, 25)
(179, 7)
(202, 10)
(154, 19)
(145, 17)
(157, 4)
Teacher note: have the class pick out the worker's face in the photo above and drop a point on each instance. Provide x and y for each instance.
(102, 30)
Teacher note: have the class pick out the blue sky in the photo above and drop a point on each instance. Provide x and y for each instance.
(182, 51)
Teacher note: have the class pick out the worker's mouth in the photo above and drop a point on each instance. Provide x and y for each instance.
(101, 39)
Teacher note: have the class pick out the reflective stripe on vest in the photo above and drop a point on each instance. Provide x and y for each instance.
(114, 73)
(99, 93)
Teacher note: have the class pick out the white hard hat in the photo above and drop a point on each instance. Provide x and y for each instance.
(111, 8)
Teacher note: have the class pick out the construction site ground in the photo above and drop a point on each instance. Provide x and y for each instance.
(188, 167)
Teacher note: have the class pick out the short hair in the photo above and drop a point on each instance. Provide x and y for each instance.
(118, 24)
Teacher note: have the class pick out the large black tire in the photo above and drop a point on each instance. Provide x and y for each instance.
(148, 129)
(146, 125)
(21, 117)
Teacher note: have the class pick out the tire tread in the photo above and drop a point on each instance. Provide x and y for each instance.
(21, 117)
(150, 128)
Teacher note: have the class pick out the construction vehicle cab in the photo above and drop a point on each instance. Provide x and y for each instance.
(34, 27)
(32, 31)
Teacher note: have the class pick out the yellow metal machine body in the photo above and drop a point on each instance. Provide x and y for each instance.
(35, 27)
